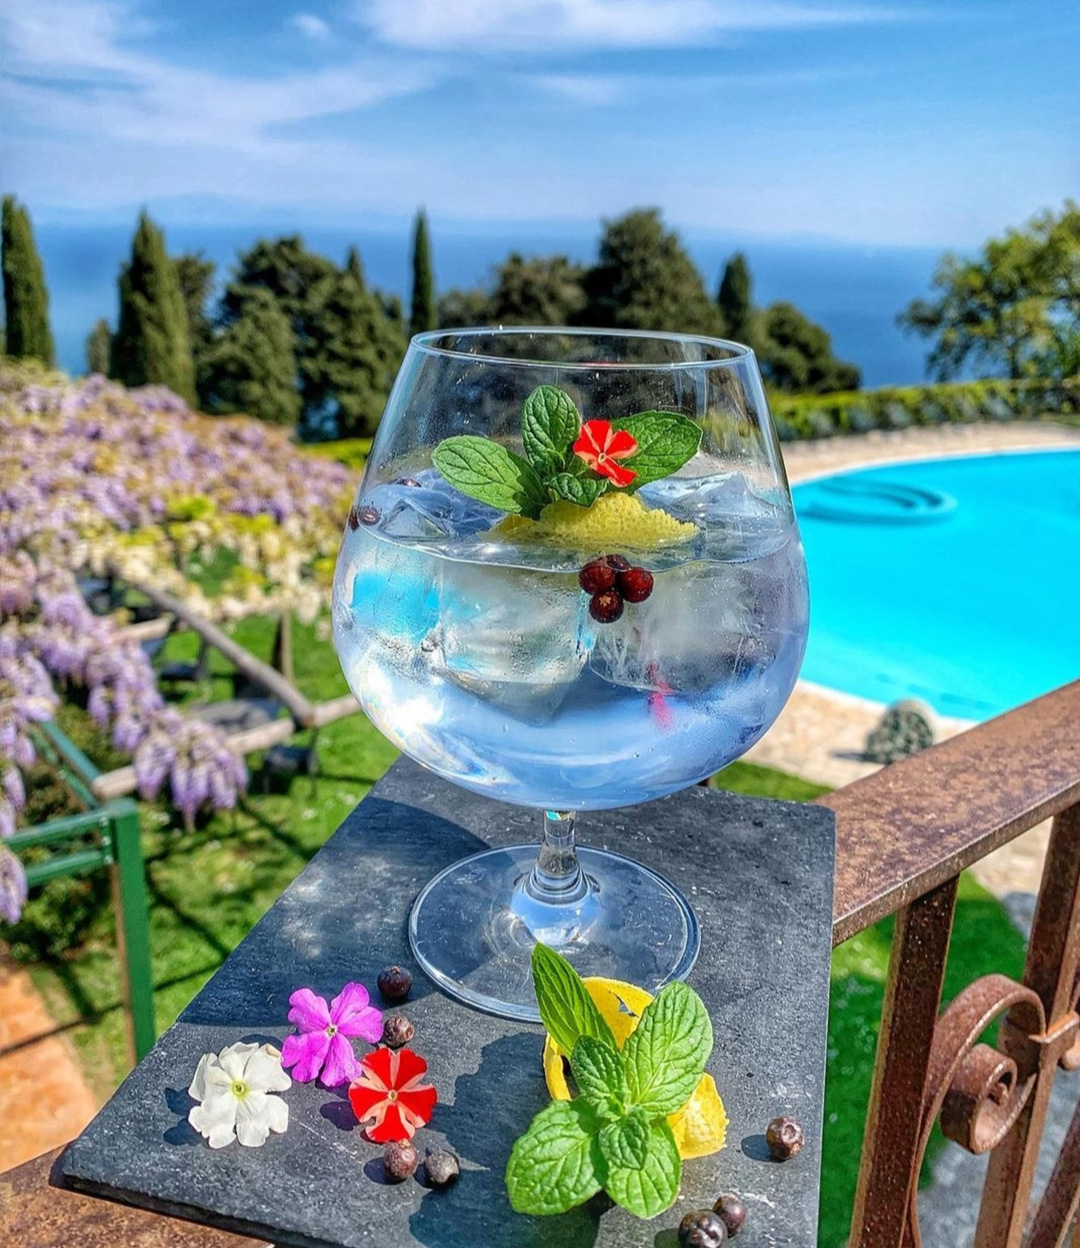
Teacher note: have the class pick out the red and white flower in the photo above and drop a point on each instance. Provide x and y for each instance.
(389, 1096)
(600, 447)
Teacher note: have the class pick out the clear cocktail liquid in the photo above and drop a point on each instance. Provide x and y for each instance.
(478, 657)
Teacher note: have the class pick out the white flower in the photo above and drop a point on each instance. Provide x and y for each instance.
(233, 1090)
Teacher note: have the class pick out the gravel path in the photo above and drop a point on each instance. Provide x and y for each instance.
(44, 1098)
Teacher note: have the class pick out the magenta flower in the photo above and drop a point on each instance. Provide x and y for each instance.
(323, 1045)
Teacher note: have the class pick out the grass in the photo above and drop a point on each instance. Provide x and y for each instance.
(208, 888)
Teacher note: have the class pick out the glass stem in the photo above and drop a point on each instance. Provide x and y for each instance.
(557, 878)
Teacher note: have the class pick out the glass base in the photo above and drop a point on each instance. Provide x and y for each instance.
(474, 925)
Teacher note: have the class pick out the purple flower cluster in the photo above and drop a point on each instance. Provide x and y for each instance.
(26, 698)
(89, 464)
(47, 628)
(200, 767)
(74, 455)
(12, 886)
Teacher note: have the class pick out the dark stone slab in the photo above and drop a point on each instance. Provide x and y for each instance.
(759, 874)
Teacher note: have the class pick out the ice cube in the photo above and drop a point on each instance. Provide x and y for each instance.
(428, 507)
(697, 628)
(517, 638)
(387, 589)
(737, 519)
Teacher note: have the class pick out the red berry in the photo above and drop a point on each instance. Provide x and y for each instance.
(606, 607)
(394, 983)
(635, 584)
(617, 562)
(596, 577)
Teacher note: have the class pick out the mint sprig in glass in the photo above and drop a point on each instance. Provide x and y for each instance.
(571, 581)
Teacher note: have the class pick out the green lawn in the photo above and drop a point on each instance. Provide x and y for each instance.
(207, 888)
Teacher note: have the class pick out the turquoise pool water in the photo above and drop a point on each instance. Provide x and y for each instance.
(952, 580)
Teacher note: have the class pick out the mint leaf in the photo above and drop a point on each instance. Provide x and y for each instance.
(600, 1075)
(488, 472)
(650, 1188)
(624, 1144)
(566, 1009)
(665, 441)
(666, 1052)
(581, 490)
(552, 1167)
(549, 424)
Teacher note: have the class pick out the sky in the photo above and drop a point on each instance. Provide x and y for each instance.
(869, 122)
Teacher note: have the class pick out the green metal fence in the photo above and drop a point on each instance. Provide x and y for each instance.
(114, 828)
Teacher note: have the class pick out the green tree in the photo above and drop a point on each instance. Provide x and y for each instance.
(196, 277)
(423, 313)
(355, 352)
(98, 347)
(1014, 309)
(251, 366)
(645, 279)
(26, 299)
(151, 343)
(462, 307)
(796, 354)
(736, 301)
(542, 290)
(295, 276)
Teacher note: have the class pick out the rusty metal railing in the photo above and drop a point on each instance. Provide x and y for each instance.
(903, 836)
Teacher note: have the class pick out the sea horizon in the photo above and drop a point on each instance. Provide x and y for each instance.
(854, 291)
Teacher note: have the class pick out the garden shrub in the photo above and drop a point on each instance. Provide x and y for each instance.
(897, 416)
(860, 420)
(899, 407)
(59, 914)
(821, 424)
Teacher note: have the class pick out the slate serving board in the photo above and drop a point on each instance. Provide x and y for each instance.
(759, 874)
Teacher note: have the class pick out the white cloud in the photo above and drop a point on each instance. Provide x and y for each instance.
(590, 89)
(570, 26)
(601, 90)
(69, 71)
(310, 25)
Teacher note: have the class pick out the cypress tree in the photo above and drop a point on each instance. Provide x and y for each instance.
(356, 350)
(735, 301)
(151, 342)
(196, 278)
(251, 366)
(423, 313)
(98, 346)
(26, 300)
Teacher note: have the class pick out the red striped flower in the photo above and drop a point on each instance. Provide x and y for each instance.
(389, 1097)
(600, 446)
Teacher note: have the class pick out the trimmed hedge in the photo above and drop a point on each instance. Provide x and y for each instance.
(352, 452)
(859, 411)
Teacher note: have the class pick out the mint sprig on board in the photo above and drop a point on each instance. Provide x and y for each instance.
(564, 458)
(615, 1134)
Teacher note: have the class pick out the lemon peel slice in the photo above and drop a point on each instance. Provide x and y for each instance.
(620, 520)
(700, 1127)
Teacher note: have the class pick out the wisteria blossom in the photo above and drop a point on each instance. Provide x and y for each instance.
(95, 478)
(234, 1093)
(12, 886)
(323, 1045)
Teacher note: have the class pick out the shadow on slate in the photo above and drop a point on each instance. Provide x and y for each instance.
(759, 874)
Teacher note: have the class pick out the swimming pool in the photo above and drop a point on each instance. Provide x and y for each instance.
(952, 580)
